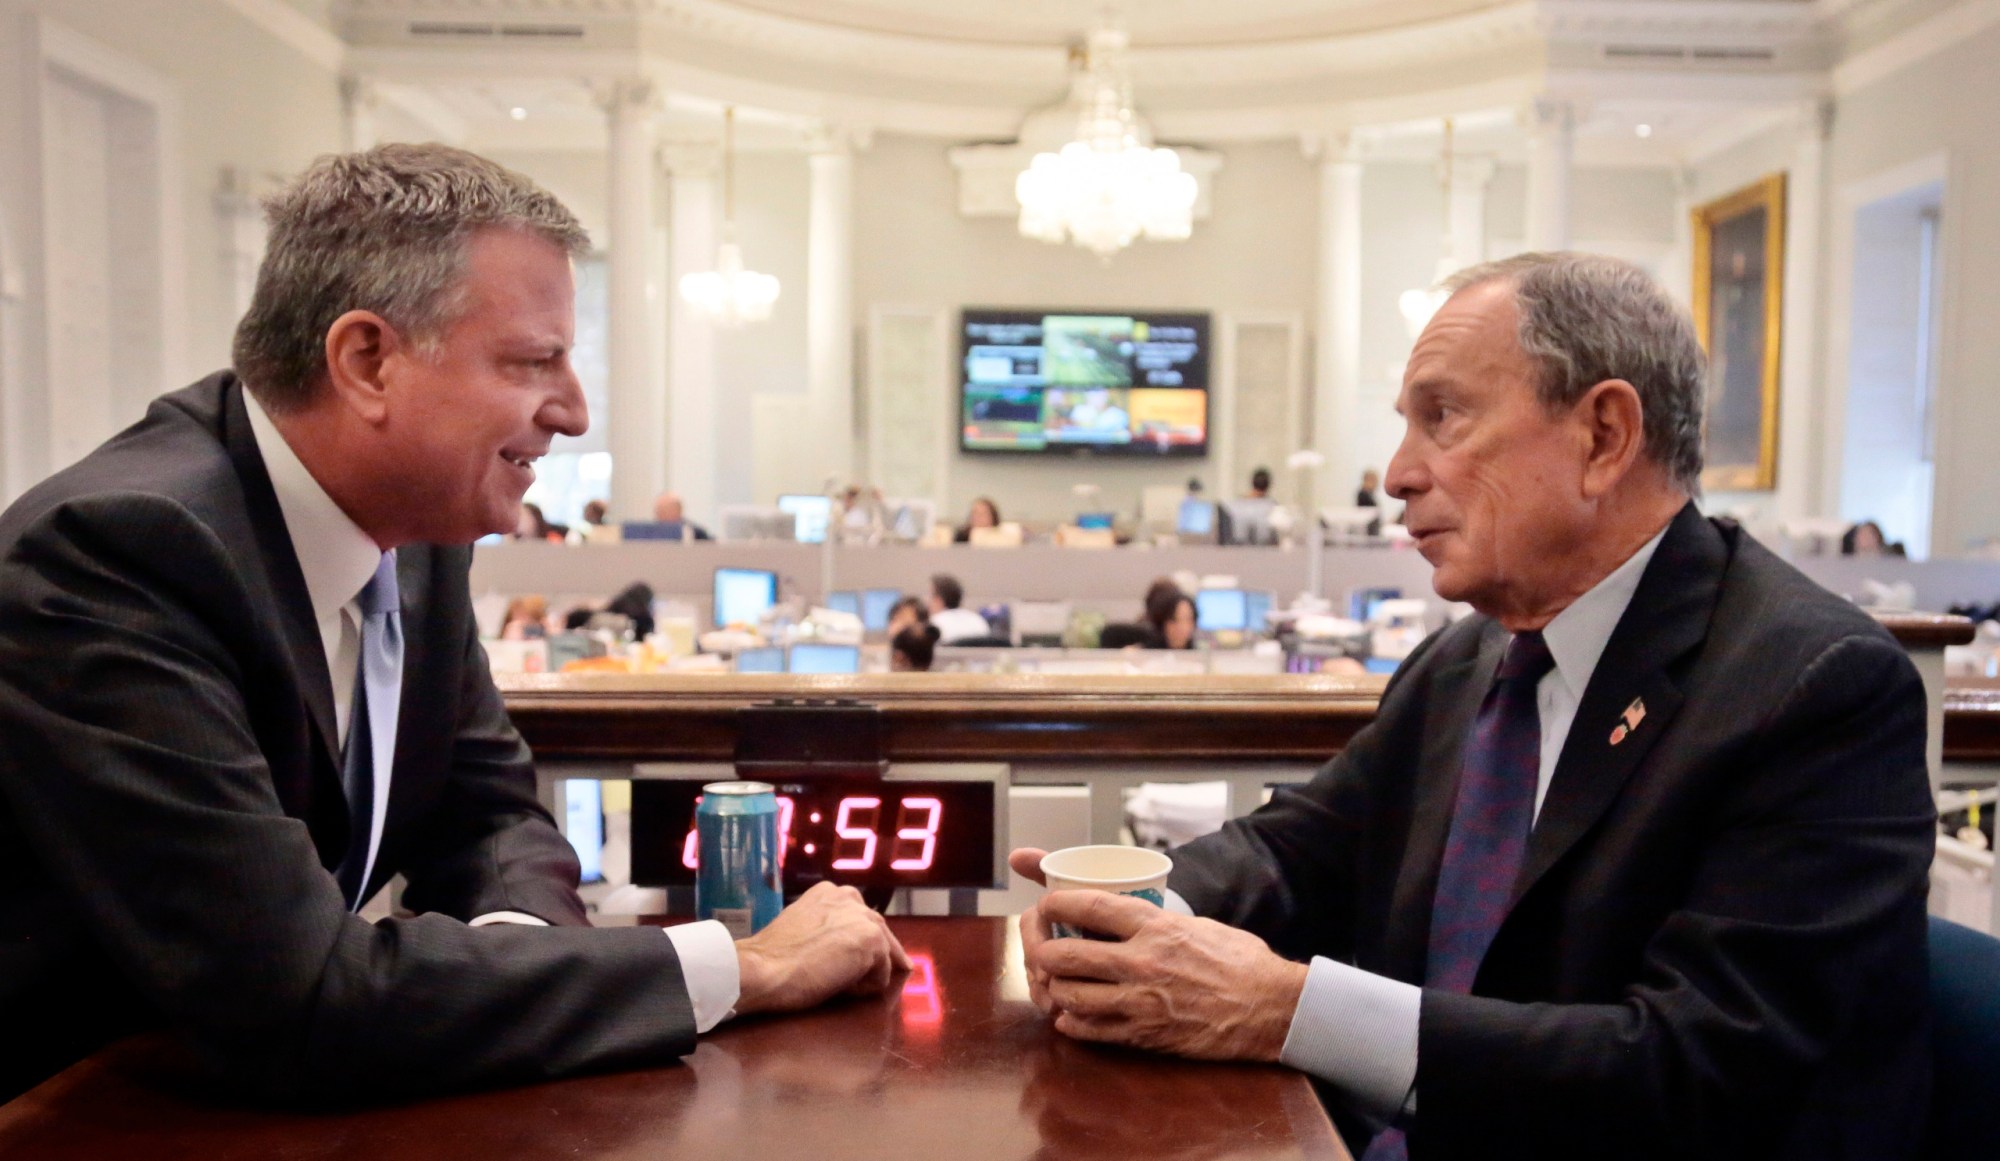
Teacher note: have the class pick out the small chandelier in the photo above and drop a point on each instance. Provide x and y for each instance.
(1108, 186)
(729, 295)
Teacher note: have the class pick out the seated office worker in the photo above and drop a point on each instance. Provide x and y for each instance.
(1633, 864)
(241, 687)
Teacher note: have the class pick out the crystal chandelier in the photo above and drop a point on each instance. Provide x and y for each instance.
(1108, 186)
(729, 295)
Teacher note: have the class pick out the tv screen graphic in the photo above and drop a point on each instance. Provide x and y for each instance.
(1131, 383)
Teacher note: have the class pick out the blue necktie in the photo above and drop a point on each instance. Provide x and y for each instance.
(371, 729)
(1488, 841)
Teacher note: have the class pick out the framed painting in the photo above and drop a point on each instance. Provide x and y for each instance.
(1739, 296)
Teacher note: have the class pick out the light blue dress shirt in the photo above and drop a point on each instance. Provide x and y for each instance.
(1358, 1030)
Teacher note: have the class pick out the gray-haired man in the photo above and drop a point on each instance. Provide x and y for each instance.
(241, 687)
(1631, 865)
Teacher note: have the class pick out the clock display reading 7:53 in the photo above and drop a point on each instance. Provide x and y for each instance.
(860, 831)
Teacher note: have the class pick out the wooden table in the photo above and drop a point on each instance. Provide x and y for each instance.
(958, 1065)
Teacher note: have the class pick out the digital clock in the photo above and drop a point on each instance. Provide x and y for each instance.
(915, 826)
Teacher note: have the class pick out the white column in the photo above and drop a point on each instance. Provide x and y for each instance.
(1801, 412)
(358, 102)
(830, 300)
(692, 235)
(1678, 278)
(1337, 352)
(1551, 124)
(1470, 178)
(635, 426)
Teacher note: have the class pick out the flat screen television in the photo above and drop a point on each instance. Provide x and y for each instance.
(1131, 383)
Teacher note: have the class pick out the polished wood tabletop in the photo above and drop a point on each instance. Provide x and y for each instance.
(956, 1063)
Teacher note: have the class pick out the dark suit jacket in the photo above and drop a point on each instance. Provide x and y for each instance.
(170, 806)
(1716, 947)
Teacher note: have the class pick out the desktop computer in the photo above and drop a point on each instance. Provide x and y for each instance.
(875, 606)
(1220, 610)
(764, 659)
(814, 657)
(743, 594)
(810, 514)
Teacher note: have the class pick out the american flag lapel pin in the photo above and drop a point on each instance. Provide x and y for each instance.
(1633, 715)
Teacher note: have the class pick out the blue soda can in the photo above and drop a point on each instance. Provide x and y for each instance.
(736, 876)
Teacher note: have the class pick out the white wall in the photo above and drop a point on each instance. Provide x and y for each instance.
(912, 249)
(243, 100)
(1948, 103)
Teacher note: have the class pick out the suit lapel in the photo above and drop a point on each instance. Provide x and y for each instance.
(1668, 616)
(281, 573)
(1457, 693)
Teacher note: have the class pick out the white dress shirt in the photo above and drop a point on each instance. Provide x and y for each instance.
(338, 559)
(959, 625)
(1358, 1030)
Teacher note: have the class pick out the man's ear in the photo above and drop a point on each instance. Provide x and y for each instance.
(1614, 428)
(359, 347)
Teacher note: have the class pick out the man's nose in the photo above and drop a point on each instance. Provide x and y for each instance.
(1405, 475)
(567, 412)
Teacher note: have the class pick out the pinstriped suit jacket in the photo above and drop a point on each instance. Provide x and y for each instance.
(1716, 945)
(170, 807)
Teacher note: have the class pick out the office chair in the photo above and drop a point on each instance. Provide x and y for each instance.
(984, 642)
(1965, 1041)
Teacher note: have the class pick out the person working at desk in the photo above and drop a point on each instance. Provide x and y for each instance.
(1170, 614)
(1632, 864)
(954, 623)
(983, 514)
(241, 688)
(668, 509)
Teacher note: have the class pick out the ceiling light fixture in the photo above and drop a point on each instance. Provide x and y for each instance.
(729, 295)
(1108, 186)
(518, 113)
(1644, 130)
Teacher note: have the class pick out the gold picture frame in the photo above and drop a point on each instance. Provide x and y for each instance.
(1739, 300)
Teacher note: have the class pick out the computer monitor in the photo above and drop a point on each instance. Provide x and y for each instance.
(1217, 610)
(814, 657)
(1257, 610)
(583, 824)
(763, 659)
(742, 595)
(1362, 603)
(1196, 519)
(652, 530)
(875, 606)
(844, 602)
(811, 515)
(1381, 664)
(1096, 519)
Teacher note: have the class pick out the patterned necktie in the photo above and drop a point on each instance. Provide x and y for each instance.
(371, 730)
(1488, 841)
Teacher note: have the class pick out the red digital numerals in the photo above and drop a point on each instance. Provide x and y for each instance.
(856, 821)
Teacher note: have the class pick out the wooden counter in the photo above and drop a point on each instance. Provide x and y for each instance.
(956, 1064)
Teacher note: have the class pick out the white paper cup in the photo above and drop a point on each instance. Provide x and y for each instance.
(1121, 870)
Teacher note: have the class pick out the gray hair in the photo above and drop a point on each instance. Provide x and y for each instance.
(1586, 318)
(384, 231)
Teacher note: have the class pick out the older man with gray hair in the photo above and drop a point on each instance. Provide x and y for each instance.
(1631, 864)
(241, 688)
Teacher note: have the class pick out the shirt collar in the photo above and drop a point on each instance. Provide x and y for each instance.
(335, 555)
(1578, 635)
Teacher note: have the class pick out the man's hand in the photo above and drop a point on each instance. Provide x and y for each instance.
(1191, 987)
(1027, 863)
(826, 944)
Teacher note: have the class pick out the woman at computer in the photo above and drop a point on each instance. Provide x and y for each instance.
(985, 514)
(906, 613)
(1170, 612)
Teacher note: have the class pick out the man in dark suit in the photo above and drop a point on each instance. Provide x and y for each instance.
(241, 687)
(1631, 864)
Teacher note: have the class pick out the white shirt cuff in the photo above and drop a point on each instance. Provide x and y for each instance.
(1358, 1031)
(708, 965)
(520, 917)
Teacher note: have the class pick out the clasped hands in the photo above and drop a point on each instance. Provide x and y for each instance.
(1170, 983)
